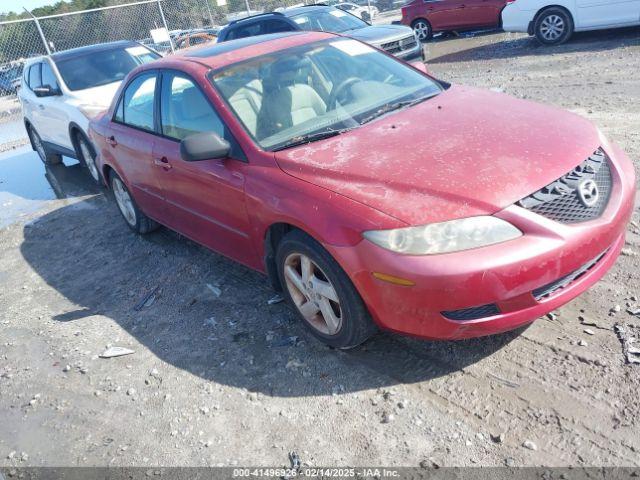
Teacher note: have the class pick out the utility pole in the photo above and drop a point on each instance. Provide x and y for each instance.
(42, 37)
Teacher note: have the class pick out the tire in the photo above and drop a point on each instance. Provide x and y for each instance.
(133, 216)
(86, 155)
(553, 26)
(351, 323)
(422, 29)
(46, 156)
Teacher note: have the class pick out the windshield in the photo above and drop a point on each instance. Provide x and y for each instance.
(320, 89)
(104, 67)
(333, 20)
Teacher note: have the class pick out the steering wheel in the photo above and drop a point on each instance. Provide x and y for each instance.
(337, 90)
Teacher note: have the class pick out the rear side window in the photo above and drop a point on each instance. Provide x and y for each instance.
(137, 103)
(35, 79)
(276, 26)
(243, 31)
(48, 77)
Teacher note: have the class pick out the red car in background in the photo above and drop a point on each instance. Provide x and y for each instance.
(370, 193)
(429, 16)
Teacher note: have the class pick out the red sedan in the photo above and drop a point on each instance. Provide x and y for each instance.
(370, 193)
(429, 16)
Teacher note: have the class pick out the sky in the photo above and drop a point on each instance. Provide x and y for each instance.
(19, 5)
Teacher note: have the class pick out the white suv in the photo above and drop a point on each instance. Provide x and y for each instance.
(554, 21)
(61, 92)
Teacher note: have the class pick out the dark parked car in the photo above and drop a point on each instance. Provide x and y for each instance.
(429, 16)
(10, 79)
(397, 40)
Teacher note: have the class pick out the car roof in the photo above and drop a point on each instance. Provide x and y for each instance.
(100, 47)
(233, 51)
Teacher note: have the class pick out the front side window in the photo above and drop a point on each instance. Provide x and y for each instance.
(299, 94)
(101, 68)
(332, 20)
(138, 102)
(184, 110)
(48, 77)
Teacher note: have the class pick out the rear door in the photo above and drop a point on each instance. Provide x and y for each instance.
(604, 13)
(444, 14)
(131, 135)
(482, 13)
(205, 199)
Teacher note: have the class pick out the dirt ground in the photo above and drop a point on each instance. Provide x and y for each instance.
(230, 380)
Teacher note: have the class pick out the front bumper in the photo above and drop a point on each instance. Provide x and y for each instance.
(516, 20)
(508, 275)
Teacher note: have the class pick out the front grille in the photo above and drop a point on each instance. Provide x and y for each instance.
(553, 287)
(561, 201)
(406, 43)
(473, 313)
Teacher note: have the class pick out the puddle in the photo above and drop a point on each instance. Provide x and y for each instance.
(12, 132)
(26, 185)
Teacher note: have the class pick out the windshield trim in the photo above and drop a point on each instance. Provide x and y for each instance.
(278, 147)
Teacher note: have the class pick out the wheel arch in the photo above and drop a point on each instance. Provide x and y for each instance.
(28, 125)
(74, 131)
(272, 237)
(547, 7)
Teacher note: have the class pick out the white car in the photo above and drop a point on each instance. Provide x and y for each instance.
(359, 11)
(61, 92)
(554, 21)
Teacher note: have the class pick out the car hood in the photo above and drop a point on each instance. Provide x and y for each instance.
(463, 153)
(99, 96)
(379, 33)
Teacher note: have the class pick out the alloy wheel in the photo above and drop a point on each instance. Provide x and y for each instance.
(124, 201)
(37, 142)
(89, 160)
(313, 294)
(552, 27)
(422, 29)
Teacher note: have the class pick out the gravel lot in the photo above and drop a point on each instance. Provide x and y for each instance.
(219, 377)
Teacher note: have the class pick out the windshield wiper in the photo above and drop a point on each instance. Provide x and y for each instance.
(390, 107)
(311, 137)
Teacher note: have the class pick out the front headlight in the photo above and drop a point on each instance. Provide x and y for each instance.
(445, 237)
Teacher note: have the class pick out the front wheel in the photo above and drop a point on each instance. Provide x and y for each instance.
(47, 157)
(553, 26)
(321, 293)
(87, 157)
(137, 221)
(422, 29)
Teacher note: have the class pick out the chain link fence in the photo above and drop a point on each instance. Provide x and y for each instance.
(196, 20)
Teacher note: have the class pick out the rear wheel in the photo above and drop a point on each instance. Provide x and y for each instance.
(321, 293)
(553, 26)
(87, 157)
(47, 157)
(137, 221)
(422, 29)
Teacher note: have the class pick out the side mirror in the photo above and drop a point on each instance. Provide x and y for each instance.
(45, 91)
(204, 146)
(419, 65)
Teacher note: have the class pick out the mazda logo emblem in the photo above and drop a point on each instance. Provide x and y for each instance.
(588, 193)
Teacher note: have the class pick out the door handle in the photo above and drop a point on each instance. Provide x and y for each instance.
(112, 141)
(163, 162)
(40, 106)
